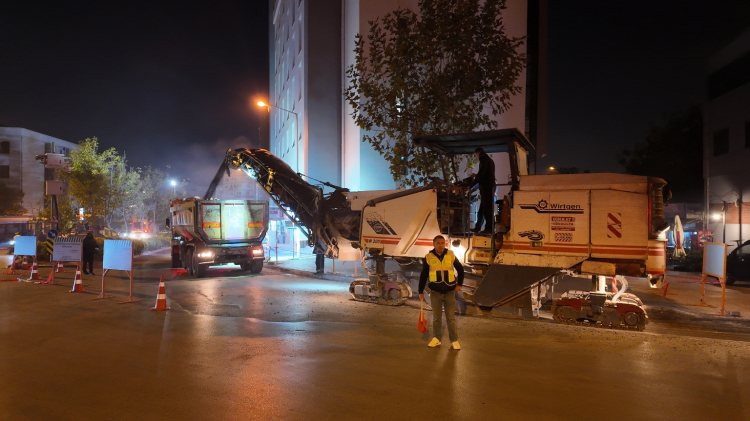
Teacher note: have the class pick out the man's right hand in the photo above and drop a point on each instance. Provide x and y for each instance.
(421, 297)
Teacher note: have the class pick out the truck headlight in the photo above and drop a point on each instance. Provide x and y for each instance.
(206, 254)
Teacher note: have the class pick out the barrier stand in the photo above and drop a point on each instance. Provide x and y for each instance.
(130, 296)
(715, 266)
(103, 295)
(66, 249)
(118, 255)
(334, 266)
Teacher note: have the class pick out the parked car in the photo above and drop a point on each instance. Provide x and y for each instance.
(738, 264)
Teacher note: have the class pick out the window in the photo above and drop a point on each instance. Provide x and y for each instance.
(744, 250)
(4, 171)
(747, 134)
(721, 142)
(5, 147)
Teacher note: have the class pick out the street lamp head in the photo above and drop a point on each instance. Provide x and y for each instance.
(174, 183)
(551, 168)
(262, 104)
(716, 216)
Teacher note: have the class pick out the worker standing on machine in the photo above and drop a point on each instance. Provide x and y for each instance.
(486, 180)
(438, 269)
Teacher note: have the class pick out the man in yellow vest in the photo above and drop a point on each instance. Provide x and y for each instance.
(438, 269)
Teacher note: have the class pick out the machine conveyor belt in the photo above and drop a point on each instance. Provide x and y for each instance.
(502, 283)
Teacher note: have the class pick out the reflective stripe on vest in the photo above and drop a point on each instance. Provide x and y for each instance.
(441, 271)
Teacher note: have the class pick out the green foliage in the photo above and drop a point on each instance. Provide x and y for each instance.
(41, 252)
(88, 179)
(432, 72)
(66, 210)
(11, 202)
(155, 243)
(672, 151)
(138, 247)
(149, 196)
(692, 261)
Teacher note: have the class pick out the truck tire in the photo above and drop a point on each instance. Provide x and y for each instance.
(257, 266)
(200, 270)
(189, 261)
(176, 262)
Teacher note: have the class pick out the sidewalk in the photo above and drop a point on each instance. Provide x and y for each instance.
(303, 264)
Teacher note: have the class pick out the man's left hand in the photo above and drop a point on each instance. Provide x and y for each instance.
(458, 287)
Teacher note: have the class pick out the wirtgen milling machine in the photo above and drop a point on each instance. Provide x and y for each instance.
(596, 226)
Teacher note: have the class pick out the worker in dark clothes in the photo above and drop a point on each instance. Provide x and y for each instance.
(485, 178)
(320, 259)
(89, 249)
(438, 269)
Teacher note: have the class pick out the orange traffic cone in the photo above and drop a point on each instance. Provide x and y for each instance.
(34, 275)
(161, 297)
(12, 267)
(24, 265)
(60, 268)
(78, 285)
(50, 279)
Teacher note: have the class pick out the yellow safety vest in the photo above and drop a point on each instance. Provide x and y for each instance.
(442, 271)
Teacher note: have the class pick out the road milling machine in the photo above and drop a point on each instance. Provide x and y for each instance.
(595, 226)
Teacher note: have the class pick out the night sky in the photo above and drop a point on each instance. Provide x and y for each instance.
(171, 83)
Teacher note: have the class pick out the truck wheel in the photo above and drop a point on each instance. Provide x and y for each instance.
(730, 280)
(200, 270)
(257, 266)
(246, 266)
(189, 262)
(176, 262)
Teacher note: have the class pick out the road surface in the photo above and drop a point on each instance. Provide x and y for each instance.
(275, 346)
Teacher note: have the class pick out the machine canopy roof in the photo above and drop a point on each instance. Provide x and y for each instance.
(491, 141)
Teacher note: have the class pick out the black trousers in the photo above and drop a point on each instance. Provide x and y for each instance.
(88, 260)
(486, 209)
(320, 262)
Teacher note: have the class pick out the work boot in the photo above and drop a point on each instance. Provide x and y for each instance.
(434, 342)
(476, 229)
(455, 346)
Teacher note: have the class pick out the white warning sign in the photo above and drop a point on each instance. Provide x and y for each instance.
(563, 223)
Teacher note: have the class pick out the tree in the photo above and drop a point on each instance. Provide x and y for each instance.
(12, 201)
(88, 181)
(429, 73)
(67, 213)
(672, 151)
(149, 196)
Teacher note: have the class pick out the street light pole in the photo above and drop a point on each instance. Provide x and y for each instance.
(296, 128)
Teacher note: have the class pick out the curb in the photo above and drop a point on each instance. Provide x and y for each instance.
(308, 274)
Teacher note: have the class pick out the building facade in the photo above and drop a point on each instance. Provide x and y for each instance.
(19, 167)
(726, 141)
(311, 128)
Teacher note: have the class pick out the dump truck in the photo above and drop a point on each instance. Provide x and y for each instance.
(217, 232)
(595, 226)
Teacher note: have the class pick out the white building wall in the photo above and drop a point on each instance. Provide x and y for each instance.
(357, 166)
(365, 169)
(25, 171)
(728, 174)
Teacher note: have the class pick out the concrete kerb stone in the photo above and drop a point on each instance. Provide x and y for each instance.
(306, 273)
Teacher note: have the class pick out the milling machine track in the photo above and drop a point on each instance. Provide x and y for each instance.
(578, 308)
(385, 293)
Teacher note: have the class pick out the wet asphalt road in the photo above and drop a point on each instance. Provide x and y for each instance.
(276, 346)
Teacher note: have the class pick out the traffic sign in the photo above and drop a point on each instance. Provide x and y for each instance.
(54, 220)
(52, 234)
